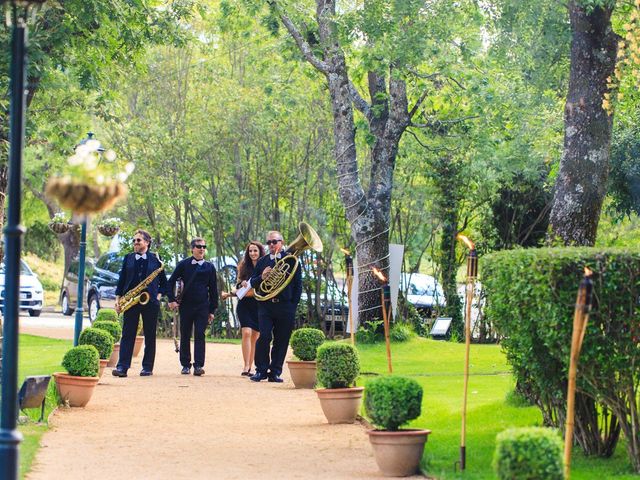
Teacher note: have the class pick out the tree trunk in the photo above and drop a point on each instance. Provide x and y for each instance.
(582, 180)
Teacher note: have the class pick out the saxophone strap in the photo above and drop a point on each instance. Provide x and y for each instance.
(188, 284)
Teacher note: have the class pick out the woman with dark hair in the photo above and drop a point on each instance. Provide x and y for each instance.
(247, 309)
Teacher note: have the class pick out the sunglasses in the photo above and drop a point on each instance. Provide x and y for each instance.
(138, 240)
(199, 246)
(273, 242)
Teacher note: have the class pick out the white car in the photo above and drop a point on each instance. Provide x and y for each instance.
(423, 291)
(31, 291)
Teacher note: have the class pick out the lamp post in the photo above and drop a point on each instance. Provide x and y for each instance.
(81, 262)
(10, 438)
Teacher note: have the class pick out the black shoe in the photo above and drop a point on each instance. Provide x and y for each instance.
(198, 371)
(247, 373)
(275, 378)
(118, 372)
(258, 377)
(186, 370)
(145, 373)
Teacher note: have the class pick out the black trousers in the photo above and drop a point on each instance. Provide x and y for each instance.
(276, 320)
(149, 313)
(196, 320)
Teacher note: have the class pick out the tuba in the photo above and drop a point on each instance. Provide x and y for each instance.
(284, 269)
(137, 295)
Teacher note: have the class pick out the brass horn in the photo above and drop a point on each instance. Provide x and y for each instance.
(284, 269)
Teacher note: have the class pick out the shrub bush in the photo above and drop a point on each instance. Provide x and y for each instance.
(400, 332)
(370, 332)
(107, 314)
(531, 296)
(305, 343)
(111, 326)
(101, 339)
(392, 401)
(338, 365)
(82, 361)
(528, 454)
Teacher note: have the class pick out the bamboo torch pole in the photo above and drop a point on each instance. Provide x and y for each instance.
(349, 267)
(472, 273)
(385, 298)
(580, 319)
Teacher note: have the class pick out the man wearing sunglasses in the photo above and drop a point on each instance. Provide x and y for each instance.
(197, 304)
(276, 317)
(136, 267)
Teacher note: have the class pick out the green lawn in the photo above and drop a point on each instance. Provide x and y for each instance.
(38, 356)
(438, 367)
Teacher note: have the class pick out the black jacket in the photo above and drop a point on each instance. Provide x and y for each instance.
(291, 292)
(200, 292)
(132, 273)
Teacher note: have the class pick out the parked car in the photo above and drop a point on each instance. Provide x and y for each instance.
(31, 291)
(101, 280)
(333, 305)
(423, 292)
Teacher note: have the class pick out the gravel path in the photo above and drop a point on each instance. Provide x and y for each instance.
(220, 426)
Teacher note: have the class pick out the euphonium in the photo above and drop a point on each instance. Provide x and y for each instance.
(285, 268)
(136, 294)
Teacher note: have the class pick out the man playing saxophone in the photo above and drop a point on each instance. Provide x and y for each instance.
(142, 281)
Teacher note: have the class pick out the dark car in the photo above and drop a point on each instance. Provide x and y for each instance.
(100, 287)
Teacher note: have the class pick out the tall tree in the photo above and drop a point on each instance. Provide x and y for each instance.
(581, 184)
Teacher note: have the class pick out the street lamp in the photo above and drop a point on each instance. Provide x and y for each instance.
(17, 13)
(81, 261)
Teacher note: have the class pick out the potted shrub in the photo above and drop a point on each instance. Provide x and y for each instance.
(390, 402)
(532, 452)
(76, 386)
(109, 226)
(102, 340)
(304, 343)
(110, 315)
(338, 367)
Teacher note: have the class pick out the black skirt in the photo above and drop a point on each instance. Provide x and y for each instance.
(247, 311)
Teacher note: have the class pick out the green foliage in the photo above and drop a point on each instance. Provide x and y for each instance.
(338, 365)
(531, 296)
(528, 454)
(99, 338)
(108, 314)
(305, 343)
(111, 326)
(41, 241)
(82, 361)
(392, 401)
(400, 332)
(370, 332)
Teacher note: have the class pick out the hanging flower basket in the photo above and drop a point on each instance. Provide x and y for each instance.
(107, 230)
(59, 227)
(85, 198)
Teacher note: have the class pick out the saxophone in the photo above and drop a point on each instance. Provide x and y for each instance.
(136, 294)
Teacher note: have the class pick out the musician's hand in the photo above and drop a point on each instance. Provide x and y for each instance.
(225, 295)
(210, 321)
(117, 307)
(173, 305)
(244, 283)
(266, 273)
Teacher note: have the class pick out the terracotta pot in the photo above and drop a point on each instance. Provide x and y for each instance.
(398, 453)
(138, 345)
(77, 391)
(103, 365)
(115, 355)
(303, 373)
(340, 405)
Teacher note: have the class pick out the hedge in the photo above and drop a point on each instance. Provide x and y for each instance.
(530, 299)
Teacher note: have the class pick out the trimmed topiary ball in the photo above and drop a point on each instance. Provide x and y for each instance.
(106, 314)
(528, 454)
(101, 339)
(111, 326)
(392, 401)
(305, 343)
(338, 365)
(82, 361)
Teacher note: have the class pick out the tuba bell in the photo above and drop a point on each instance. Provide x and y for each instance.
(285, 268)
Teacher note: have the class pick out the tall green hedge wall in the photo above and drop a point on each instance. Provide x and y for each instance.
(531, 296)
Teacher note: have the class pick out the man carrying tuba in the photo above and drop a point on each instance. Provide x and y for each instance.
(142, 280)
(276, 315)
